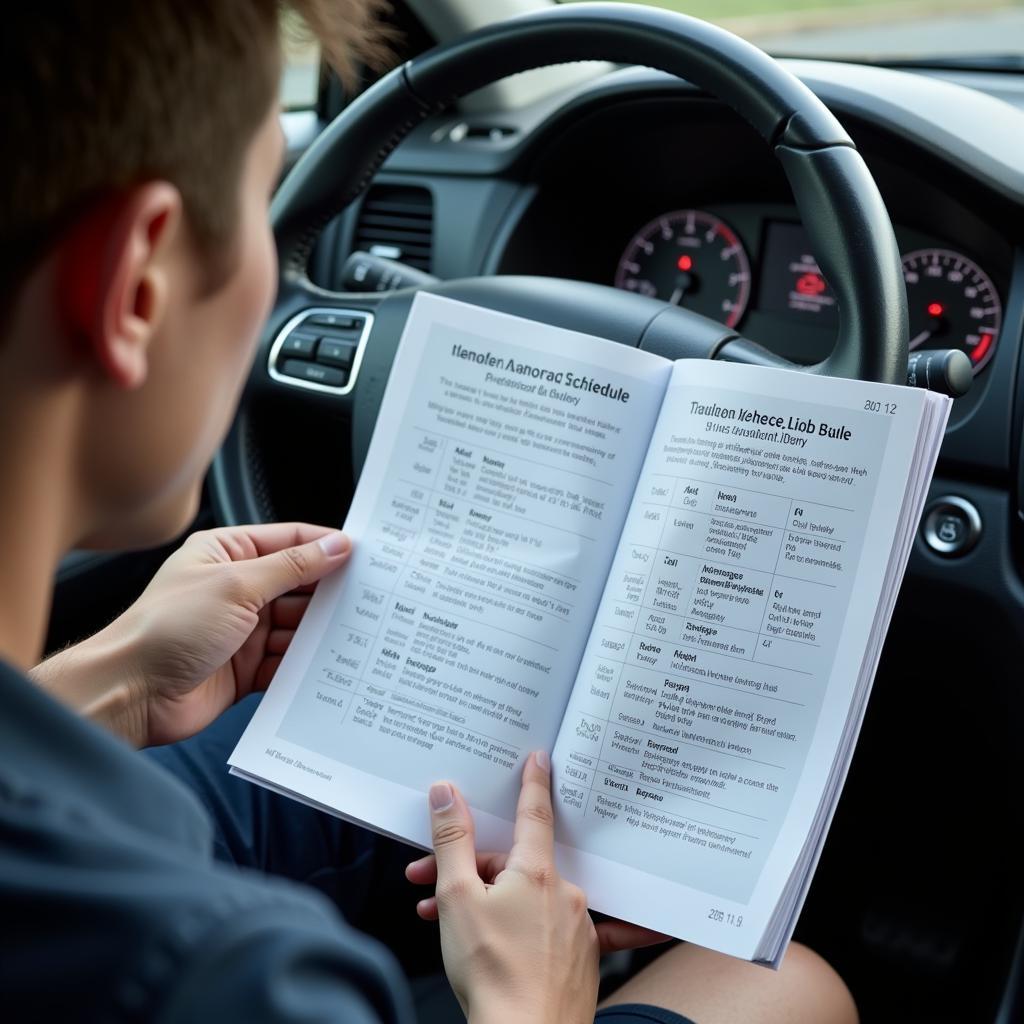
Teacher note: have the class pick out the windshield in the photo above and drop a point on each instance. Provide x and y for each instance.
(969, 33)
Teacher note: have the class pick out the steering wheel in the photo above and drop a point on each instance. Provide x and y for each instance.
(838, 201)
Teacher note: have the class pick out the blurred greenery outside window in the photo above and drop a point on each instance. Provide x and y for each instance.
(300, 78)
(983, 32)
(986, 32)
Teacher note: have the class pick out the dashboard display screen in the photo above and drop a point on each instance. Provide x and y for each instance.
(791, 280)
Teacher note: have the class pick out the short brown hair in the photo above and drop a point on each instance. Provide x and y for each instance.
(101, 96)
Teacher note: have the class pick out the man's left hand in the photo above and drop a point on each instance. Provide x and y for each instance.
(210, 629)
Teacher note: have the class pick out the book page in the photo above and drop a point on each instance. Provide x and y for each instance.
(712, 695)
(484, 524)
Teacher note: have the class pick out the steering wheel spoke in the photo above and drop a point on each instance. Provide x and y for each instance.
(313, 346)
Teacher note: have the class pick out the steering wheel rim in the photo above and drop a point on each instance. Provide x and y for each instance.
(839, 203)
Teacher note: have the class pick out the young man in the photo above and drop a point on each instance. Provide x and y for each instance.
(137, 267)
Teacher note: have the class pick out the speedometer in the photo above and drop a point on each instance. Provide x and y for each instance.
(690, 258)
(952, 304)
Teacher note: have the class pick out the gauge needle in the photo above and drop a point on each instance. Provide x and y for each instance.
(923, 336)
(685, 280)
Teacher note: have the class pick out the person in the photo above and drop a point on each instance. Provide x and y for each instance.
(136, 268)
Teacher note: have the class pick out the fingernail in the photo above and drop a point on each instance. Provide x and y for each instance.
(334, 544)
(441, 796)
(542, 759)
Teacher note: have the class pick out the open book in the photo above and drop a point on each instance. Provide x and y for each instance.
(676, 577)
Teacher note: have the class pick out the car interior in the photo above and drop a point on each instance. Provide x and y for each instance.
(541, 169)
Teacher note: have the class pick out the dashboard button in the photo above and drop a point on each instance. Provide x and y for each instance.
(339, 320)
(313, 372)
(951, 526)
(336, 353)
(298, 344)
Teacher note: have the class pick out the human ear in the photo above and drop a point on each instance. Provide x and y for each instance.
(113, 277)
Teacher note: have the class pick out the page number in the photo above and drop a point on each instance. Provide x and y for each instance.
(721, 917)
(889, 408)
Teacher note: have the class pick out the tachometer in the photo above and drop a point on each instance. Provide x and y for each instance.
(690, 258)
(953, 304)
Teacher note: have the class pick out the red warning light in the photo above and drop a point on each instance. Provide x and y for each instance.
(936, 309)
(810, 284)
(685, 262)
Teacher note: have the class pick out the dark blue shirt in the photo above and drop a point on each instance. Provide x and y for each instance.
(113, 909)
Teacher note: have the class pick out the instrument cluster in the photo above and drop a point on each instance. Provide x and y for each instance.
(695, 258)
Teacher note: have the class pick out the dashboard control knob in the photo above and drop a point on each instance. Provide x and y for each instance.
(946, 370)
(951, 526)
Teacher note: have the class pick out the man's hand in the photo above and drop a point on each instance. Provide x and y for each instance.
(209, 630)
(517, 940)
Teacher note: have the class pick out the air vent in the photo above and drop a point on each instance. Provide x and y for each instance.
(464, 132)
(397, 222)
